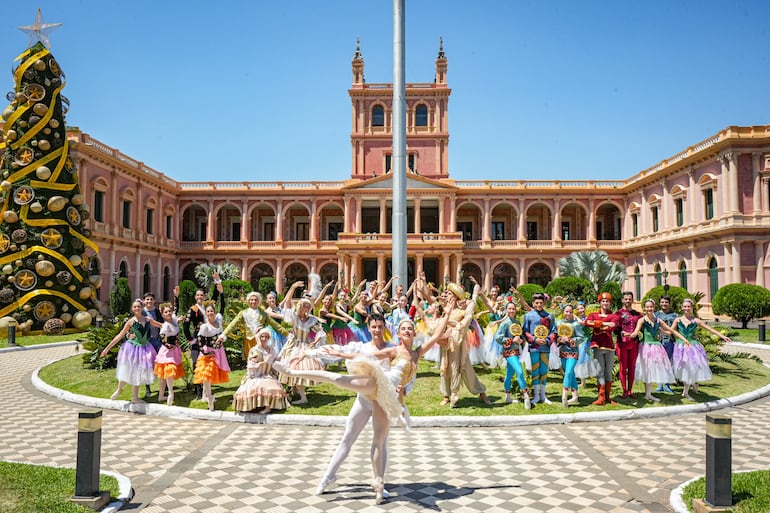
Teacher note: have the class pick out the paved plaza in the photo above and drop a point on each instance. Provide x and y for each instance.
(188, 465)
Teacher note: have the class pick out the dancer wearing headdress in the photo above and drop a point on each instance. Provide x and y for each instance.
(602, 324)
(260, 387)
(509, 338)
(540, 331)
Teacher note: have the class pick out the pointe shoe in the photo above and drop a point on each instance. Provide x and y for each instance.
(115, 395)
(508, 398)
(326, 484)
(527, 402)
(695, 388)
(170, 400)
(574, 399)
(379, 490)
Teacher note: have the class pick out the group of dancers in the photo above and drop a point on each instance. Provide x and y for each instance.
(289, 345)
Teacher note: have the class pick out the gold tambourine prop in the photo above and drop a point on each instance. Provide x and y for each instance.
(565, 330)
(515, 330)
(541, 331)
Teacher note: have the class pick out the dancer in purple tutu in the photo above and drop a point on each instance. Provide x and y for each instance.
(136, 358)
(691, 363)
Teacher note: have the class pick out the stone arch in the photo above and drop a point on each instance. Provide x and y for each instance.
(504, 275)
(539, 222)
(194, 223)
(539, 273)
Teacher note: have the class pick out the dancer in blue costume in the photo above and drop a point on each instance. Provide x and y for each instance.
(539, 344)
(274, 311)
(691, 363)
(652, 365)
(511, 343)
(571, 335)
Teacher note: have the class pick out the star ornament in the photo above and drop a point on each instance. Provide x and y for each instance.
(39, 30)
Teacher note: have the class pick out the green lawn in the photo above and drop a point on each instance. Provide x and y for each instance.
(34, 489)
(33, 340)
(751, 492)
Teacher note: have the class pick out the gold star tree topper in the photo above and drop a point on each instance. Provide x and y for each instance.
(39, 30)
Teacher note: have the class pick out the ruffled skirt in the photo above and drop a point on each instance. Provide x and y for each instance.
(653, 365)
(361, 332)
(587, 366)
(169, 370)
(207, 370)
(691, 363)
(136, 364)
(260, 392)
(493, 352)
(343, 336)
(172, 355)
(297, 359)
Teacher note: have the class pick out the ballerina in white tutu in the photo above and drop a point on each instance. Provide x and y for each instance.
(385, 390)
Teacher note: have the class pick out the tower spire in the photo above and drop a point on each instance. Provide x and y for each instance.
(441, 63)
(358, 64)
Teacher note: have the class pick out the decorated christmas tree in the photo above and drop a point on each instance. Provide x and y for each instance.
(45, 250)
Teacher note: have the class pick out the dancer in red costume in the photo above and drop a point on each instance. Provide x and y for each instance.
(628, 347)
(602, 324)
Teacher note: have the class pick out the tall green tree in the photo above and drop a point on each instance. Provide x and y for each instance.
(594, 266)
(45, 249)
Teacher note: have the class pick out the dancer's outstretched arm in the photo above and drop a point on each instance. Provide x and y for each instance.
(438, 331)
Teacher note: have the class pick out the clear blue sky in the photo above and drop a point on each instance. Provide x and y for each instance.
(257, 90)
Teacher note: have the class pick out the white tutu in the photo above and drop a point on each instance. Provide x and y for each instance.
(385, 395)
(653, 365)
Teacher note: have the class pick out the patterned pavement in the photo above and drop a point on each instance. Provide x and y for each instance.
(187, 465)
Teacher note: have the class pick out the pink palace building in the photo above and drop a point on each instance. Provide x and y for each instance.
(699, 219)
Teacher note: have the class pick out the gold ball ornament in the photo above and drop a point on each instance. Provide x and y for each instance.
(6, 185)
(11, 279)
(49, 284)
(93, 312)
(40, 109)
(54, 123)
(7, 269)
(72, 288)
(39, 65)
(11, 135)
(57, 203)
(66, 317)
(43, 173)
(96, 281)
(81, 320)
(14, 247)
(44, 145)
(27, 307)
(10, 217)
(18, 263)
(45, 268)
(36, 207)
(47, 131)
(76, 260)
(77, 199)
(7, 112)
(65, 307)
(85, 293)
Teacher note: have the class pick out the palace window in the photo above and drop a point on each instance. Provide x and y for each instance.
(655, 221)
(708, 197)
(126, 214)
(679, 207)
(98, 206)
(498, 230)
(168, 231)
(421, 115)
(150, 216)
(378, 115)
(635, 224)
(683, 275)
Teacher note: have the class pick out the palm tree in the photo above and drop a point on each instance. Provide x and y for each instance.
(204, 273)
(595, 266)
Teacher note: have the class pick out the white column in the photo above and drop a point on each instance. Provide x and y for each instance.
(737, 276)
(244, 222)
(313, 221)
(591, 220)
(210, 232)
(452, 213)
(522, 235)
(666, 207)
(556, 231)
(416, 208)
(442, 228)
(692, 195)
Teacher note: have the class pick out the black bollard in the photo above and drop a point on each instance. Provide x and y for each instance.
(12, 333)
(99, 322)
(719, 473)
(761, 326)
(89, 461)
